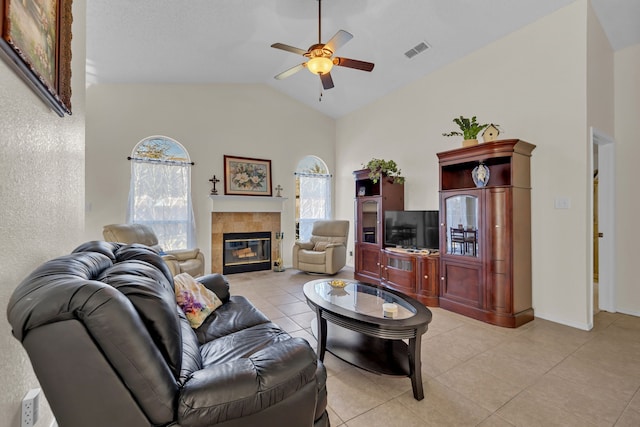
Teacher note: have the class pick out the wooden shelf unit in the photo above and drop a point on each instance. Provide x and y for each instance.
(489, 277)
(371, 201)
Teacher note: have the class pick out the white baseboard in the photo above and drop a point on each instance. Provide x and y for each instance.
(629, 312)
(556, 319)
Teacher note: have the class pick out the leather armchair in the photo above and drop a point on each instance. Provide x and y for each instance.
(179, 261)
(326, 250)
(111, 347)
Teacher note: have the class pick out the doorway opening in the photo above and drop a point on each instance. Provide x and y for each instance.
(602, 288)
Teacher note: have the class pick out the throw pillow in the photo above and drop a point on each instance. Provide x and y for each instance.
(321, 246)
(194, 299)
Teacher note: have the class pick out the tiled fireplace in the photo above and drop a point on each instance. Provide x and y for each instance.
(242, 214)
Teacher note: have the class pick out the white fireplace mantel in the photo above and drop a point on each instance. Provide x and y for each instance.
(222, 203)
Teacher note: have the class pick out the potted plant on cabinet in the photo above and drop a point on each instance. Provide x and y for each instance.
(470, 128)
(381, 167)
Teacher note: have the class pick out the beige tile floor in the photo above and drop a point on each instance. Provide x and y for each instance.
(475, 374)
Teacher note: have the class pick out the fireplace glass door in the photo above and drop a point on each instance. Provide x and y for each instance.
(244, 252)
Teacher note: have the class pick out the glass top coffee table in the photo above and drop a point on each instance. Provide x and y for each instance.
(367, 326)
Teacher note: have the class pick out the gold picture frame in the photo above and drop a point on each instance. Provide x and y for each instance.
(35, 41)
(245, 176)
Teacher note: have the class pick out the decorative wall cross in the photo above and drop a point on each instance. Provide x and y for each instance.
(278, 190)
(214, 180)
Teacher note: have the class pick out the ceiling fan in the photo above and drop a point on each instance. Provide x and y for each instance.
(321, 59)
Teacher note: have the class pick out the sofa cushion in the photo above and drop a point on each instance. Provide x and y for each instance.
(152, 296)
(321, 246)
(241, 344)
(304, 245)
(236, 314)
(191, 359)
(192, 266)
(139, 252)
(217, 283)
(196, 301)
(237, 389)
(107, 249)
(311, 257)
(130, 233)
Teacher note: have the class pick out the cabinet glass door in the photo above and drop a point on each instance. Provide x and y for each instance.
(370, 222)
(399, 264)
(461, 226)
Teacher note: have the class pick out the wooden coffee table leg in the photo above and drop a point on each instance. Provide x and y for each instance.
(415, 366)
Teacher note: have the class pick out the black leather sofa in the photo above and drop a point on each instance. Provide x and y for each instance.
(111, 347)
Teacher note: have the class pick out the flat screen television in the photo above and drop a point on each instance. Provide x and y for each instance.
(412, 229)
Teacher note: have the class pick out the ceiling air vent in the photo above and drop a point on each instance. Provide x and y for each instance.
(419, 48)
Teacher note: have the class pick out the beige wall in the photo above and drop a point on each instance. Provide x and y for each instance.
(627, 129)
(600, 116)
(533, 83)
(42, 182)
(600, 78)
(210, 121)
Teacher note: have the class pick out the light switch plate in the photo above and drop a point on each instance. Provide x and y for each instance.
(562, 202)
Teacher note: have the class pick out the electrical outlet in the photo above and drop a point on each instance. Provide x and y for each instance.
(30, 408)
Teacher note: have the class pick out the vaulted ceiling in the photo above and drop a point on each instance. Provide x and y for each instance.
(228, 41)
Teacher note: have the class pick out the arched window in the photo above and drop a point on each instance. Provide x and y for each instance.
(160, 191)
(313, 195)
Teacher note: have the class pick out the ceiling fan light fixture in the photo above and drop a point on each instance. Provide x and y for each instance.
(320, 55)
(320, 65)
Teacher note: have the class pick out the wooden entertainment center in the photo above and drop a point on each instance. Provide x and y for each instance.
(412, 272)
(483, 267)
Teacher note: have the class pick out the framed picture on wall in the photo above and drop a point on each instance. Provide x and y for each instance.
(36, 42)
(244, 176)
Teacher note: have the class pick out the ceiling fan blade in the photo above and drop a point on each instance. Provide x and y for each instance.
(327, 81)
(290, 71)
(338, 40)
(353, 63)
(288, 48)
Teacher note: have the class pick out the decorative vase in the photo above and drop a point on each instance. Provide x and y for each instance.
(278, 265)
(469, 142)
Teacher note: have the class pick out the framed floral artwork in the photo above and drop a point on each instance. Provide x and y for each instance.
(244, 176)
(35, 40)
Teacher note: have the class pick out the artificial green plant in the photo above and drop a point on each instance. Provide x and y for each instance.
(470, 128)
(381, 167)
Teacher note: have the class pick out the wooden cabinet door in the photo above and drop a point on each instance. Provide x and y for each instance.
(368, 213)
(367, 263)
(428, 284)
(462, 282)
(399, 272)
(498, 202)
(461, 267)
(460, 219)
